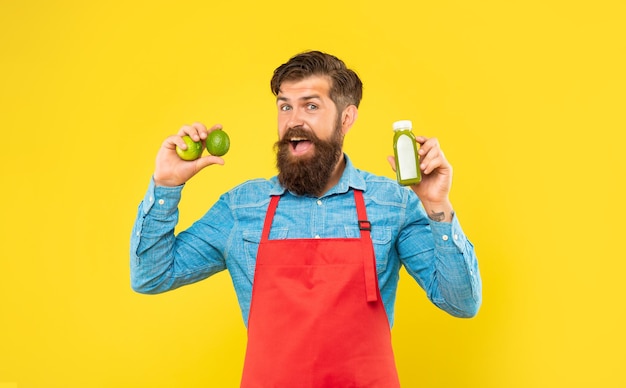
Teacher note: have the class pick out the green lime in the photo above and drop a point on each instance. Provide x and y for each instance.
(218, 143)
(193, 151)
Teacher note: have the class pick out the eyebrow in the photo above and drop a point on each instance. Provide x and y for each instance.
(304, 98)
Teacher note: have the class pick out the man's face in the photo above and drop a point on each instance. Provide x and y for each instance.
(307, 104)
(310, 135)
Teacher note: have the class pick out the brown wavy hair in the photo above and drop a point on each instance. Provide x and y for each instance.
(346, 87)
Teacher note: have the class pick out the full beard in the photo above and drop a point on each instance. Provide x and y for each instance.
(308, 174)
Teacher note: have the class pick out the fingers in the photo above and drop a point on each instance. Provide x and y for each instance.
(197, 131)
(208, 160)
(392, 162)
(171, 142)
(431, 155)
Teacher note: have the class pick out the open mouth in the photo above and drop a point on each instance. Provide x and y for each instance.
(300, 145)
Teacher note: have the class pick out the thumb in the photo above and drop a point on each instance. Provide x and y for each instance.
(208, 160)
(392, 162)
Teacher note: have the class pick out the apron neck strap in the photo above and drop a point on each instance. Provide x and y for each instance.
(369, 263)
(269, 217)
(364, 225)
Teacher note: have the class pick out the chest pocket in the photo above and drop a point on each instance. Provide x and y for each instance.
(381, 239)
(251, 241)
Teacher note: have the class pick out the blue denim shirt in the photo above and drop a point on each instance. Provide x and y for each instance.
(437, 255)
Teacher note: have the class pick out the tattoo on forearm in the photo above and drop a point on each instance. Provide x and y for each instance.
(437, 216)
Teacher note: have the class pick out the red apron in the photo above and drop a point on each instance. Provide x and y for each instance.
(316, 316)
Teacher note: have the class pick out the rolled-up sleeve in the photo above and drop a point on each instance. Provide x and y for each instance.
(160, 260)
(443, 261)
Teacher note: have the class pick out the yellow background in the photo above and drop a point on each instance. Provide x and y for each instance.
(527, 98)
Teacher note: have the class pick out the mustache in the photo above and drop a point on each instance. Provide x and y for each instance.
(297, 131)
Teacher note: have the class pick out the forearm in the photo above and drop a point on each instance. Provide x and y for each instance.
(443, 262)
(152, 242)
(162, 261)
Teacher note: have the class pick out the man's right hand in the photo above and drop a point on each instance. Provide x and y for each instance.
(170, 169)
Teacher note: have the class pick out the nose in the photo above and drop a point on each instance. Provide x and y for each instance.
(295, 118)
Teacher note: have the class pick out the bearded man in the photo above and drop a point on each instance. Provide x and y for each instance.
(315, 252)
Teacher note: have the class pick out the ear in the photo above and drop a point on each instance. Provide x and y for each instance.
(348, 117)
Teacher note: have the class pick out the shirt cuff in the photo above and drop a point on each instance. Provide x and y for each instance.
(161, 199)
(449, 235)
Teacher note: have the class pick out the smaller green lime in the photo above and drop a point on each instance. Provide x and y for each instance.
(218, 143)
(193, 151)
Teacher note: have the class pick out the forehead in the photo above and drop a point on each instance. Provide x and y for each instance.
(314, 85)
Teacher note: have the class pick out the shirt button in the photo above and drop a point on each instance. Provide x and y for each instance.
(317, 236)
(151, 199)
(456, 236)
(319, 202)
(444, 237)
(161, 202)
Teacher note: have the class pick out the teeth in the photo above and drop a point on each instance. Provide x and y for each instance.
(298, 139)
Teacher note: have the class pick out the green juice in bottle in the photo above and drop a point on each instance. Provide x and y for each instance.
(405, 152)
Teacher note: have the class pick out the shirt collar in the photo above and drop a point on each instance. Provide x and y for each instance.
(349, 179)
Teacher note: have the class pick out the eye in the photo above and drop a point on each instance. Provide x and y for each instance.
(311, 106)
(284, 107)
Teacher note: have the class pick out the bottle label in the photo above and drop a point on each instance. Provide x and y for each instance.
(407, 159)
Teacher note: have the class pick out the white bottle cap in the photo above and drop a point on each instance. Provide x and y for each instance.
(402, 124)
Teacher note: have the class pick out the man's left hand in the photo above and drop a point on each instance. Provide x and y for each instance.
(434, 188)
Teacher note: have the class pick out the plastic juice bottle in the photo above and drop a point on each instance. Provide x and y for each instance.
(405, 152)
